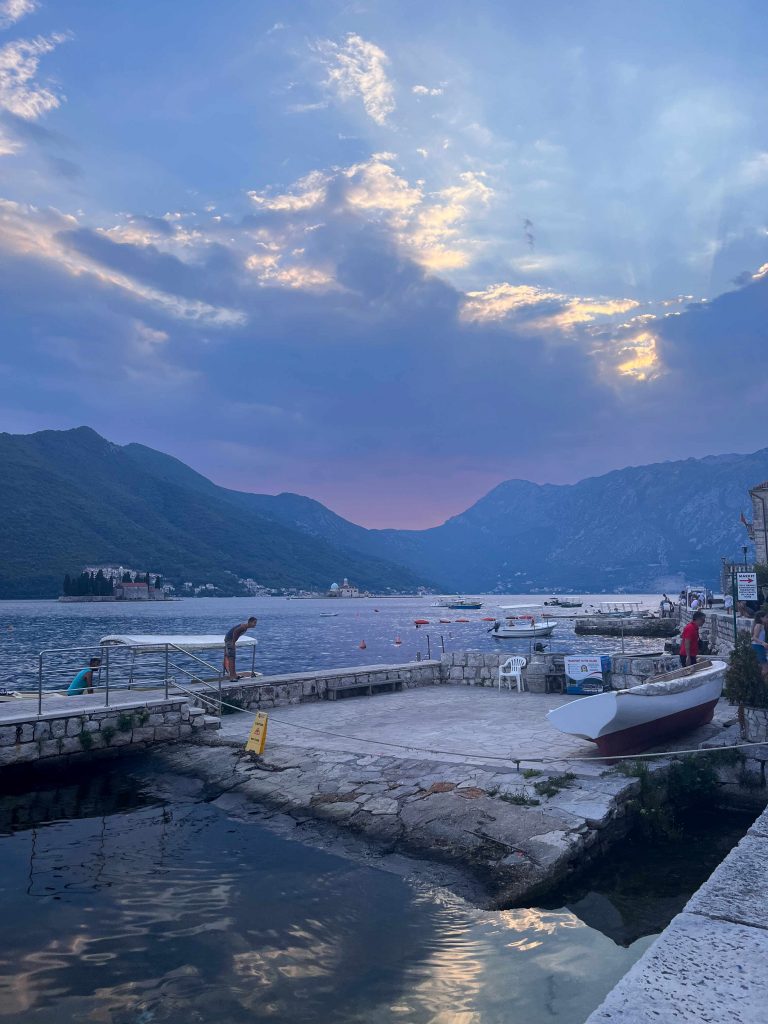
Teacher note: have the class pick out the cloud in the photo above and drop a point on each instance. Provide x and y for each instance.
(19, 61)
(429, 226)
(424, 90)
(58, 238)
(12, 11)
(501, 301)
(357, 68)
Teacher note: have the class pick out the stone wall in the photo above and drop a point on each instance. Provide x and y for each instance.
(298, 688)
(27, 738)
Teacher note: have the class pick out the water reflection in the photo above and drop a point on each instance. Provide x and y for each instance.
(638, 887)
(158, 913)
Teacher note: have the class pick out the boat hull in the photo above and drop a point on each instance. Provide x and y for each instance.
(629, 721)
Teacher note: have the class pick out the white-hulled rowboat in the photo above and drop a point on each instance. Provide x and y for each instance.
(628, 721)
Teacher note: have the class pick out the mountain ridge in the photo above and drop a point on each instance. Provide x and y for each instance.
(74, 498)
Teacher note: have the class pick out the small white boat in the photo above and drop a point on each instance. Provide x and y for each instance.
(627, 721)
(522, 624)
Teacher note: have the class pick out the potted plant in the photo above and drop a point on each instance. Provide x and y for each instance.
(745, 686)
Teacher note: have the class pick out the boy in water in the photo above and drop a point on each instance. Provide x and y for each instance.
(230, 645)
(83, 681)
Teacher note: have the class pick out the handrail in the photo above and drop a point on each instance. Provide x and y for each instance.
(104, 649)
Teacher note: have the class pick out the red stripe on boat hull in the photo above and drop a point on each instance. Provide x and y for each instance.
(650, 734)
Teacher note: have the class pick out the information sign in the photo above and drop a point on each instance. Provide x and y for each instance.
(746, 586)
(258, 736)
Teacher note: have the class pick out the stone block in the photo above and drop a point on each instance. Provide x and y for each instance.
(42, 730)
(697, 970)
(738, 888)
(185, 730)
(48, 748)
(456, 674)
(144, 734)
(59, 727)
(71, 745)
(74, 726)
(120, 739)
(156, 719)
(172, 717)
(166, 733)
(18, 753)
(7, 735)
(90, 726)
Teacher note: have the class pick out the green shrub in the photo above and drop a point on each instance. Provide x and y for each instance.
(108, 733)
(553, 785)
(530, 773)
(519, 797)
(744, 682)
(125, 722)
(86, 740)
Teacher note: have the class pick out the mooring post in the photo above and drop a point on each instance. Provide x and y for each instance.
(106, 676)
(40, 684)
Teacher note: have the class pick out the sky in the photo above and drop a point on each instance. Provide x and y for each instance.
(387, 254)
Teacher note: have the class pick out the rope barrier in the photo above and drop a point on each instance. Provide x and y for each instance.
(464, 754)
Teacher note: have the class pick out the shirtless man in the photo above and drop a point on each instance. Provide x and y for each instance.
(230, 645)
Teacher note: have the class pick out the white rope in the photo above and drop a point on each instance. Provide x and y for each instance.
(464, 754)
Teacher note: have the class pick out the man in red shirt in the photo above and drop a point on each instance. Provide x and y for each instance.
(689, 647)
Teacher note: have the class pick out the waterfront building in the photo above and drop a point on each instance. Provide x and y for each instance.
(346, 589)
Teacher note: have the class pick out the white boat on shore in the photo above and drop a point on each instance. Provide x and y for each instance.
(623, 722)
(524, 623)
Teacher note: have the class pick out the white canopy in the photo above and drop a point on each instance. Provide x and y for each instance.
(151, 643)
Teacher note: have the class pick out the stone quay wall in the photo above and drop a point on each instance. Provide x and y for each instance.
(28, 737)
(298, 688)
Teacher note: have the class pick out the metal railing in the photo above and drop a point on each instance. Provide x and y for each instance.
(106, 670)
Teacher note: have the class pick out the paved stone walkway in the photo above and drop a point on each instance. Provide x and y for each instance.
(461, 720)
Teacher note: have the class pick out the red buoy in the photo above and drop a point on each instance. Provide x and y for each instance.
(420, 622)
(462, 620)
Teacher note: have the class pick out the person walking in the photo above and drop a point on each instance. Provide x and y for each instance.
(83, 681)
(230, 645)
(689, 643)
(759, 645)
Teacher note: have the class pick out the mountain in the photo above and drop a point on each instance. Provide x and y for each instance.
(637, 529)
(71, 498)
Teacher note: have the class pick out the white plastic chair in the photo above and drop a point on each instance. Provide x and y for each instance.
(512, 669)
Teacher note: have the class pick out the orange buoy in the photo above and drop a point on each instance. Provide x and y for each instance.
(488, 618)
(420, 622)
(362, 645)
(445, 620)
(462, 620)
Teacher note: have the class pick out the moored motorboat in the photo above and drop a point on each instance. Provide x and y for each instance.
(522, 624)
(463, 604)
(629, 721)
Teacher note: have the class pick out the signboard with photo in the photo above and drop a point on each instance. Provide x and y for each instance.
(586, 673)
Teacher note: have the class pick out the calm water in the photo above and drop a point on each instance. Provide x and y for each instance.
(293, 636)
(118, 909)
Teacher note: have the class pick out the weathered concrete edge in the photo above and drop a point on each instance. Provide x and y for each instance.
(709, 963)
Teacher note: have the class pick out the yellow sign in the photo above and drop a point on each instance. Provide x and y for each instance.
(258, 736)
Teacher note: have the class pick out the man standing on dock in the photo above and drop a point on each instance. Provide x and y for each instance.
(689, 646)
(230, 645)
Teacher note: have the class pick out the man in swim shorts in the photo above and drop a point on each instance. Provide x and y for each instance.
(230, 645)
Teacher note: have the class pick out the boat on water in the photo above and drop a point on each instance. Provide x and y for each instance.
(564, 602)
(628, 721)
(463, 604)
(618, 609)
(523, 622)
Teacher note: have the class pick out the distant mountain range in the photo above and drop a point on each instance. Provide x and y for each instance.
(71, 498)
